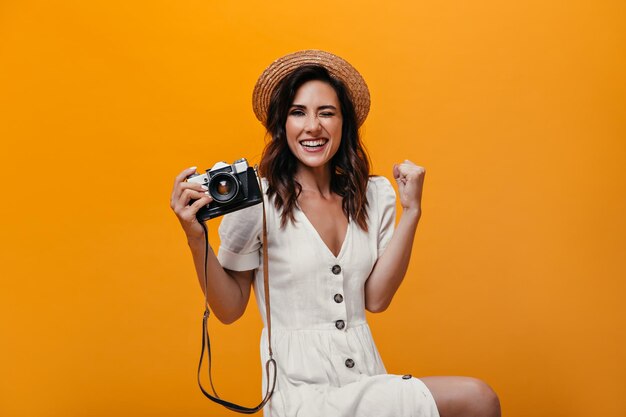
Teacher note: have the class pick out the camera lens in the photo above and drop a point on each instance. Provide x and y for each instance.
(223, 187)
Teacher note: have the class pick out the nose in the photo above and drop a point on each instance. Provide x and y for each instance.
(312, 124)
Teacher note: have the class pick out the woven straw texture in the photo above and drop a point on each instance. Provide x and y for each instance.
(336, 66)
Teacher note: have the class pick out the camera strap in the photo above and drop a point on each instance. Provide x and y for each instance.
(206, 342)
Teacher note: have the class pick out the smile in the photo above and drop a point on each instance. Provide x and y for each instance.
(313, 143)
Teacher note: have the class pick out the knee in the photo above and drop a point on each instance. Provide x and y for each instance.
(485, 401)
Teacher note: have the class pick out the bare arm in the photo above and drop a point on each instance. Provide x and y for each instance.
(227, 291)
(389, 271)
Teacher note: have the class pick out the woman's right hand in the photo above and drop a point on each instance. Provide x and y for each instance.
(182, 194)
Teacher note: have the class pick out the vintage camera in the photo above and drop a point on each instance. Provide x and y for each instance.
(233, 187)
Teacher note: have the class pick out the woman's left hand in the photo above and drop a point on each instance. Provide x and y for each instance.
(410, 179)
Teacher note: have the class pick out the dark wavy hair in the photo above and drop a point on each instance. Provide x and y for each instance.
(350, 166)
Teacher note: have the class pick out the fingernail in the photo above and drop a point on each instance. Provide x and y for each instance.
(194, 168)
(204, 187)
(206, 192)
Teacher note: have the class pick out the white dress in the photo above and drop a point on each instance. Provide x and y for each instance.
(327, 362)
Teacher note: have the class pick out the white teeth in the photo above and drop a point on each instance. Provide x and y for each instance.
(313, 143)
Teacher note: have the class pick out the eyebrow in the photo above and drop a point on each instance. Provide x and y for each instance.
(302, 106)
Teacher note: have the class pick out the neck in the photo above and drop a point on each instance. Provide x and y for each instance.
(316, 179)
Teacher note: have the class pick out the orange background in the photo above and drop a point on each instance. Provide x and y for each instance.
(516, 109)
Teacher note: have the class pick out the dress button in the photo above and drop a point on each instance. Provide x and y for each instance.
(349, 363)
(340, 324)
(336, 269)
(338, 298)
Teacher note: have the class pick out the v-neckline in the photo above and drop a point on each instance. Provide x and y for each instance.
(319, 237)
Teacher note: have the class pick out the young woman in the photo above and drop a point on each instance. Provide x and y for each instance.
(333, 252)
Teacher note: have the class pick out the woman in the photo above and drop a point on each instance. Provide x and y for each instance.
(332, 248)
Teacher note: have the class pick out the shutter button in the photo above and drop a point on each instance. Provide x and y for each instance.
(408, 376)
(338, 298)
(340, 324)
(336, 269)
(349, 363)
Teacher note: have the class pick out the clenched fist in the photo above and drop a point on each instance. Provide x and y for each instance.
(410, 179)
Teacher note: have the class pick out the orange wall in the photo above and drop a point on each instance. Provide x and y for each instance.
(516, 109)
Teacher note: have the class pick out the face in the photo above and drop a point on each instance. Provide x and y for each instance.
(314, 124)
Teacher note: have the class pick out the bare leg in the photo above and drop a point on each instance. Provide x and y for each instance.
(458, 396)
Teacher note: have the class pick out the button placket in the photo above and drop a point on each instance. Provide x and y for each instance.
(338, 297)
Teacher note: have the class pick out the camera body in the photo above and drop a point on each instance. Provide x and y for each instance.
(233, 187)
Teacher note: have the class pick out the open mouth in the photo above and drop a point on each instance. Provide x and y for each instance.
(313, 144)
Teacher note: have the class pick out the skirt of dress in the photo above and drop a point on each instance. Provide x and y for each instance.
(322, 373)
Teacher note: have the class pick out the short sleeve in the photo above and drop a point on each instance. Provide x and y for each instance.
(240, 239)
(385, 210)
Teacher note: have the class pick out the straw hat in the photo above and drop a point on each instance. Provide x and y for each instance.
(336, 66)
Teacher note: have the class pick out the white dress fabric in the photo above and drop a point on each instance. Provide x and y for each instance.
(327, 362)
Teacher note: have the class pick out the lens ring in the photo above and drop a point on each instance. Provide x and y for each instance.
(223, 187)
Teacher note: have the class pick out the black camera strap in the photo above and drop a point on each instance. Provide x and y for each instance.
(206, 342)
